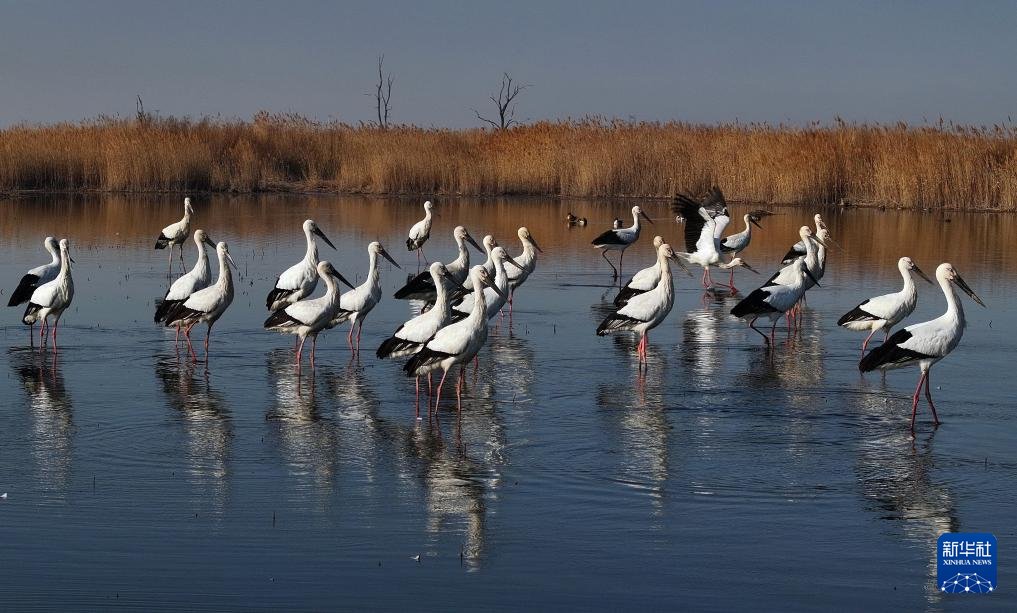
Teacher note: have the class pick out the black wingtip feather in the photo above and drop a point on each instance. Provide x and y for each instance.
(423, 358)
(625, 295)
(31, 310)
(417, 286)
(24, 291)
(393, 345)
(279, 319)
(614, 322)
(890, 353)
(275, 295)
(753, 303)
(856, 314)
(164, 309)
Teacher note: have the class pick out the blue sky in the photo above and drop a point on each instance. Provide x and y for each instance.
(776, 61)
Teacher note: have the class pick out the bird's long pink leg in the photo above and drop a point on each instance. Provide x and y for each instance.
(459, 389)
(867, 338)
(360, 329)
(730, 282)
(928, 396)
(300, 348)
(773, 329)
(208, 335)
(416, 395)
(349, 337)
(704, 277)
(176, 337)
(437, 397)
(190, 348)
(914, 403)
(56, 324)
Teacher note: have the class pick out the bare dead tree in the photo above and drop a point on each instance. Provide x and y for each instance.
(139, 109)
(383, 94)
(505, 102)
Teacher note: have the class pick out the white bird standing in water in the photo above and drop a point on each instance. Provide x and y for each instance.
(355, 304)
(197, 279)
(39, 275)
(52, 299)
(620, 239)
(456, 343)
(419, 233)
(205, 305)
(798, 249)
(645, 311)
(738, 242)
(489, 243)
(298, 281)
(175, 234)
(527, 261)
(773, 300)
(886, 311)
(421, 287)
(925, 343)
(309, 317)
(700, 240)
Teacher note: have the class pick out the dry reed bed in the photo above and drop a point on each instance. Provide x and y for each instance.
(926, 167)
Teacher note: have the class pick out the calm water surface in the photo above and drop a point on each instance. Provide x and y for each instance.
(727, 476)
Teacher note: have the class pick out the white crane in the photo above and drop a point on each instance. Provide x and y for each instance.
(620, 239)
(738, 242)
(527, 261)
(886, 311)
(419, 233)
(773, 300)
(175, 234)
(38, 275)
(645, 311)
(489, 243)
(494, 300)
(925, 343)
(355, 304)
(421, 287)
(205, 305)
(52, 299)
(197, 279)
(310, 316)
(298, 281)
(456, 343)
(701, 232)
(646, 279)
(798, 249)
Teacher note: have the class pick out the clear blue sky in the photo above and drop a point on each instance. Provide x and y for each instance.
(774, 61)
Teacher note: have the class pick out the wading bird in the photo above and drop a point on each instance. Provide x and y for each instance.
(38, 275)
(798, 249)
(645, 311)
(773, 300)
(175, 234)
(886, 311)
(52, 299)
(736, 243)
(311, 316)
(421, 287)
(355, 304)
(197, 279)
(925, 343)
(489, 243)
(702, 230)
(456, 343)
(205, 305)
(527, 261)
(419, 233)
(646, 279)
(299, 280)
(620, 239)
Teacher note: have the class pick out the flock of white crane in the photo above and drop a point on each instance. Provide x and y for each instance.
(459, 300)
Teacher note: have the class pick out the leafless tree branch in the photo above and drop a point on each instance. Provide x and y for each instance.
(383, 94)
(505, 102)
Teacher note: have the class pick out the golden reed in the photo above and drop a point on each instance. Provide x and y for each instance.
(941, 167)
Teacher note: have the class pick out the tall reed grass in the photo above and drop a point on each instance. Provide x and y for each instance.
(943, 166)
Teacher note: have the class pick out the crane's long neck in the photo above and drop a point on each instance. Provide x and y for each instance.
(312, 250)
(441, 304)
(331, 289)
(201, 266)
(909, 283)
(635, 223)
(373, 276)
(55, 253)
(500, 277)
(464, 255)
(489, 264)
(665, 275)
(65, 264)
(748, 227)
(478, 316)
(225, 276)
(954, 309)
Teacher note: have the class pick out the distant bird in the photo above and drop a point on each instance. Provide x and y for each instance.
(645, 311)
(197, 279)
(527, 260)
(773, 300)
(736, 243)
(582, 221)
(798, 249)
(298, 281)
(617, 224)
(886, 311)
(419, 233)
(355, 304)
(205, 305)
(38, 275)
(646, 279)
(421, 287)
(494, 300)
(456, 343)
(51, 299)
(620, 239)
(175, 234)
(703, 227)
(789, 273)
(925, 343)
(309, 317)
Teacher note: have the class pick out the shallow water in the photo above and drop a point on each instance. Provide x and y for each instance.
(727, 476)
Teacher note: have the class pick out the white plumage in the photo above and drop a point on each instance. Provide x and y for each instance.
(298, 281)
(52, 299)
(421, 287)
(309, 317)
(198, 278)
(355, 304)
(175, 234)
(798, 249)
(206, 305)
(886, 311)
(39, 275)
(527, 261)
(643, 281)
(773, 299)
(925, 343)
(489, 243)
(420, 232)
(412, 335)
(496, 296)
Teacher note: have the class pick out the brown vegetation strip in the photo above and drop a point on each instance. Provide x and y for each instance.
(910, 167)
